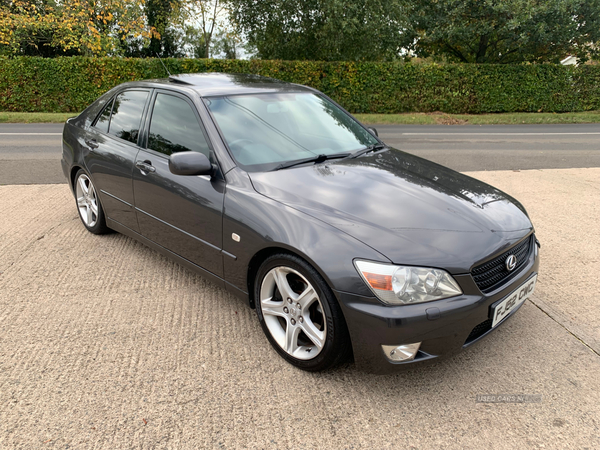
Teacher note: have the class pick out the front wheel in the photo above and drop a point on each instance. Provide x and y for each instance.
(299, 314)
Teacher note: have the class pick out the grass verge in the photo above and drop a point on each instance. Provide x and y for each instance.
(23, 117)
(439, 118)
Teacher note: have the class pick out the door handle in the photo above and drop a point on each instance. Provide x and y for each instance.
(91, 143)
(145, 167)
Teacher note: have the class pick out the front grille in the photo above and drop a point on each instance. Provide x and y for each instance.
(493, 274)
(479, 331)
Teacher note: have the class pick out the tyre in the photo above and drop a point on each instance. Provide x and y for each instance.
(88, 204)
(299, 314)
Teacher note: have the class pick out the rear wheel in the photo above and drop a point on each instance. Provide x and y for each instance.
(88, 204)
(299, 314)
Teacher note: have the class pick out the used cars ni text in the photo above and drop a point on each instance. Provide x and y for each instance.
(346, 248)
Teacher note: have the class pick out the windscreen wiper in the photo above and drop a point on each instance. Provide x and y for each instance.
(370, 148)
(315, 159)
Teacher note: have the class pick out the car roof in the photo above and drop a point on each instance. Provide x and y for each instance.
(216, 84)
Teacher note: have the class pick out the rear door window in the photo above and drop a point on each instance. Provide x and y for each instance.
(127, 115)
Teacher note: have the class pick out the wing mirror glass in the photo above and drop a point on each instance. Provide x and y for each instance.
(190, 163)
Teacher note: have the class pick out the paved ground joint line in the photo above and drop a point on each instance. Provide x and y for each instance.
(572, 330)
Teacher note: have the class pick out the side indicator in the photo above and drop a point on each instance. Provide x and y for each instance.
(235, 237)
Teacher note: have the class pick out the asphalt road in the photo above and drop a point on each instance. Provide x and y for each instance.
(499, 147)
(30, 154)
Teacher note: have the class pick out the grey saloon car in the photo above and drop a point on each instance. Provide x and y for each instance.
(347, 248)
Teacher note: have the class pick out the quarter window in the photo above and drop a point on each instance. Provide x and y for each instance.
(174, 127)
(127, 115)
(104, 119)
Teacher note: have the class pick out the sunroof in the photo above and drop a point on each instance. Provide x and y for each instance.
(216, 83)
(207, 79)
(181, 79)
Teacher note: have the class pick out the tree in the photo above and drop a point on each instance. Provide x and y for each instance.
(321, 29)
(29, 28)
(226, 43)
(194, 42)
(180, 27)
(504, 31)
(50, 28)
(204, 16)
(166, 41)
(160, 14)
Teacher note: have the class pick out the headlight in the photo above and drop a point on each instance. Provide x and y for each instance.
(403, 285)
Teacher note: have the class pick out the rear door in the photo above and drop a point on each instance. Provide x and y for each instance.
(180, 213)
(112, 143)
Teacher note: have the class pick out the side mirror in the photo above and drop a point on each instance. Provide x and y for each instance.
(190, 163)
(373, 130)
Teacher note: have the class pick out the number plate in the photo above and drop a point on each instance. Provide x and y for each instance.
(513, 301)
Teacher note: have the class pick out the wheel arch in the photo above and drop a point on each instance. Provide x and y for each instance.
(76, 168)
(260, 256)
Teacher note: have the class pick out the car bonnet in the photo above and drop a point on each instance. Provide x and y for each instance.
(411, 210)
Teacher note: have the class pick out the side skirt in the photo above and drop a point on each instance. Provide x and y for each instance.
(116, 226)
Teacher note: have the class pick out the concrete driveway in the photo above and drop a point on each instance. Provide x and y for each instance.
(106, 344)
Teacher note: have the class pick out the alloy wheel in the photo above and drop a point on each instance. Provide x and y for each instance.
(293, 313)
(87, 201)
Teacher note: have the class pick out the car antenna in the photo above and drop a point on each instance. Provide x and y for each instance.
(163, 64)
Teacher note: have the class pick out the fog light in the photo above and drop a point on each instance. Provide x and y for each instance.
(406, 352)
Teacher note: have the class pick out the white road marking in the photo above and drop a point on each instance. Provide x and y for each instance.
(30, 134)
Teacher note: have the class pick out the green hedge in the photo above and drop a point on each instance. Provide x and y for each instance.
(69, 84)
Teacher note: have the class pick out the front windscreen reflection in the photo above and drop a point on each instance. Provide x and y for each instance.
(264, 130)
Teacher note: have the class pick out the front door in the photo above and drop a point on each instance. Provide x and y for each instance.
(181, 213)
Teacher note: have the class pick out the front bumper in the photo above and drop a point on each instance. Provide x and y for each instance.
(444, 327)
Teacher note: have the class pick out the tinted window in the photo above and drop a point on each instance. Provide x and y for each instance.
(104, 119)
(127, 115)
(174, 127)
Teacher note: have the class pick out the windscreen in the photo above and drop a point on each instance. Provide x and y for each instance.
(266, 130)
